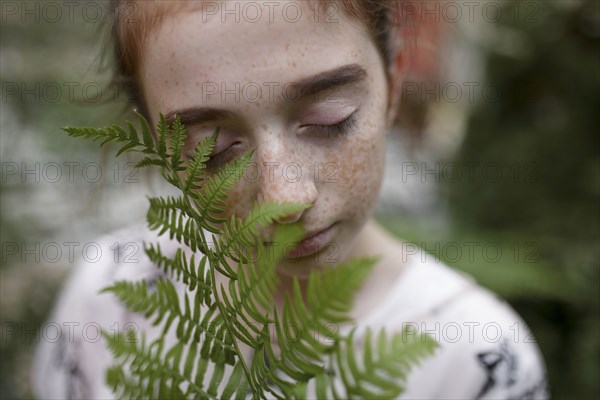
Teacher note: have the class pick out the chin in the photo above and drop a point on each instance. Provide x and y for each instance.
(301, 267)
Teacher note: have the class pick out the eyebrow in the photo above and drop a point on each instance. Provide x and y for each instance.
(335, 78)
(196, 115)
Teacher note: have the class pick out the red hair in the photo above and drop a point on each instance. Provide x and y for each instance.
(129, 25)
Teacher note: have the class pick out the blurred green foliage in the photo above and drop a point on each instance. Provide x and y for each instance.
(546, 125)
(40, 54)
(535, 186)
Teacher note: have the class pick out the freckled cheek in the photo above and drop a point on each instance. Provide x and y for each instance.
(359, 177)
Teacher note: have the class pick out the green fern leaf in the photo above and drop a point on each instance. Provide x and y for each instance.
(239, 236)
(178, 134)
(213, 194)
(206, 361)
(174, 216)
(146, 133)
(196, 167)
(382, 374)
(146, 162)
(164, 131)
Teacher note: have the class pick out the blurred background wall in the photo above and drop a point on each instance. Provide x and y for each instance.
(494, 167)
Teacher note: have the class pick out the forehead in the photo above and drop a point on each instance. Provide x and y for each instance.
(249, 42)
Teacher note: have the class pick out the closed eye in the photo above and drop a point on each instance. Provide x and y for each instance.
(338, 129)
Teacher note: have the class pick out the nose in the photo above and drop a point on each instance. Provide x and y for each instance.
(288, 182)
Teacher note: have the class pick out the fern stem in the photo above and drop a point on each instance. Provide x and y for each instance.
(228, 323)
(211, 260)
(230, 330)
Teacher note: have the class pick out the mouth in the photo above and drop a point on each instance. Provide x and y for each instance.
(312, 242)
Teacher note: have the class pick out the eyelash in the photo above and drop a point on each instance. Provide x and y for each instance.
(342, 128)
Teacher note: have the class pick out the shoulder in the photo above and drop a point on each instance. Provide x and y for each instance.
(486, 350)
(62, 367)
(118, 255)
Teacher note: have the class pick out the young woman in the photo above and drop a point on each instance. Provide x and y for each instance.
(314, 88)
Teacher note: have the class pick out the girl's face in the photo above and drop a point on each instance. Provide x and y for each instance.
(309, 96)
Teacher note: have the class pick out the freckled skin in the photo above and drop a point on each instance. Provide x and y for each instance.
(283, 52)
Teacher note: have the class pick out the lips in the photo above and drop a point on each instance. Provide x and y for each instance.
(312, 243)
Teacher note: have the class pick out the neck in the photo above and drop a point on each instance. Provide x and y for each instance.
(373, 240)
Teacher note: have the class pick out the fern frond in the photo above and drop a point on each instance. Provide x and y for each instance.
(330, 293)
(210, 318)
(164, 131)
(329, 298)
(211, 199)
(264, 371)
(303, 355)
(184, 269)
(121, 383)
(250, 296)
(379, 373)
(178, 135)
(163, 206)
(172, 215)
(158, 372)
(237, 384)
(239, 236)
(216, 348)
(195, 169)
(146, 133)
(149, 161)
(116, 134)
(112, 133)
(162, 301)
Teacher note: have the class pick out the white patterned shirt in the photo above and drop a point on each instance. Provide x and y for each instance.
(485, 349)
